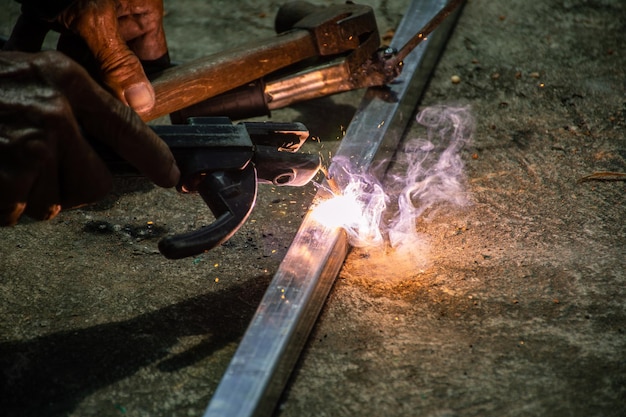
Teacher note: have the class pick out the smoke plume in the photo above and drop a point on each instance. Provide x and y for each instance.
(427, 173)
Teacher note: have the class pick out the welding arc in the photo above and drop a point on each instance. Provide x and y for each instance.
(423, 33)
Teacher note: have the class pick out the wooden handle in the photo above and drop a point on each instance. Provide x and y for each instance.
(181, 86)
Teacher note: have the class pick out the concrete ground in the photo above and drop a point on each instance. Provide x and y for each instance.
(518, 308)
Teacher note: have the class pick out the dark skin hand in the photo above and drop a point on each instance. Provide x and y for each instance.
(112, 38)
(120, 33)
(45, 162)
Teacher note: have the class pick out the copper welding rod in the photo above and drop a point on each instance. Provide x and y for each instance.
(330, 184)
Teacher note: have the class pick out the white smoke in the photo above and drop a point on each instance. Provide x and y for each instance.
(432, 170)
(360, 207)
(427, 173)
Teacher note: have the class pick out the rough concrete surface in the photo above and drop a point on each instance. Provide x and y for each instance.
(517, 307)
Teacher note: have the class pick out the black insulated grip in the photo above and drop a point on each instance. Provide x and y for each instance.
(241, 103)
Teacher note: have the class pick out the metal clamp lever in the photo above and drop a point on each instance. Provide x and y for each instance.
(223, 163)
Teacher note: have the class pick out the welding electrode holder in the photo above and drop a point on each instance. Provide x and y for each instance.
(349, 56)
(345, 36)
(223, 163)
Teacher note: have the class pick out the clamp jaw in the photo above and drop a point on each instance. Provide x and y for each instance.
(224, 162)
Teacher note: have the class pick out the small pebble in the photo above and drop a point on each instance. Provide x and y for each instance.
(455, 79)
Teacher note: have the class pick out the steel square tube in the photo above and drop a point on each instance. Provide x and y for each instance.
(260, 368)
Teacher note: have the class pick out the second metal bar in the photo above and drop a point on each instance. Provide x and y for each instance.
(279, 329)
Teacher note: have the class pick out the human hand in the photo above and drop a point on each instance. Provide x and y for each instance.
(45, 163)
(119, 35)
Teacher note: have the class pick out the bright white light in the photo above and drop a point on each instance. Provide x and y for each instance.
(430, 172)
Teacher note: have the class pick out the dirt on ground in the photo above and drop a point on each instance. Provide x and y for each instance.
(513, 305)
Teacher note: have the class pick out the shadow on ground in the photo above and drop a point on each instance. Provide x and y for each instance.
(50, 375)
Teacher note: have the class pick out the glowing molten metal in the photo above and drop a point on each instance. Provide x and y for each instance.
(428, 172)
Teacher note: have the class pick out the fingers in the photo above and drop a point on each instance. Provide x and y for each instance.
(14, 192)
(97, 23)
(122, 130)
(28, 177)
(109, 121)
(140, 24)
(82, 177)
(11, 214)
(43, 199)
(45, 163)
(24, 151)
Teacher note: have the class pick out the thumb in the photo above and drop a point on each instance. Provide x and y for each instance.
(121, 70)
(123, 73)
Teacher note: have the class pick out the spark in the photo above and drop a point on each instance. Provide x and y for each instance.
(358, 204)
(430, 173)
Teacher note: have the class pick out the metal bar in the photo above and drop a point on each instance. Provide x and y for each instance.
(422, 35)
(265, 357)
